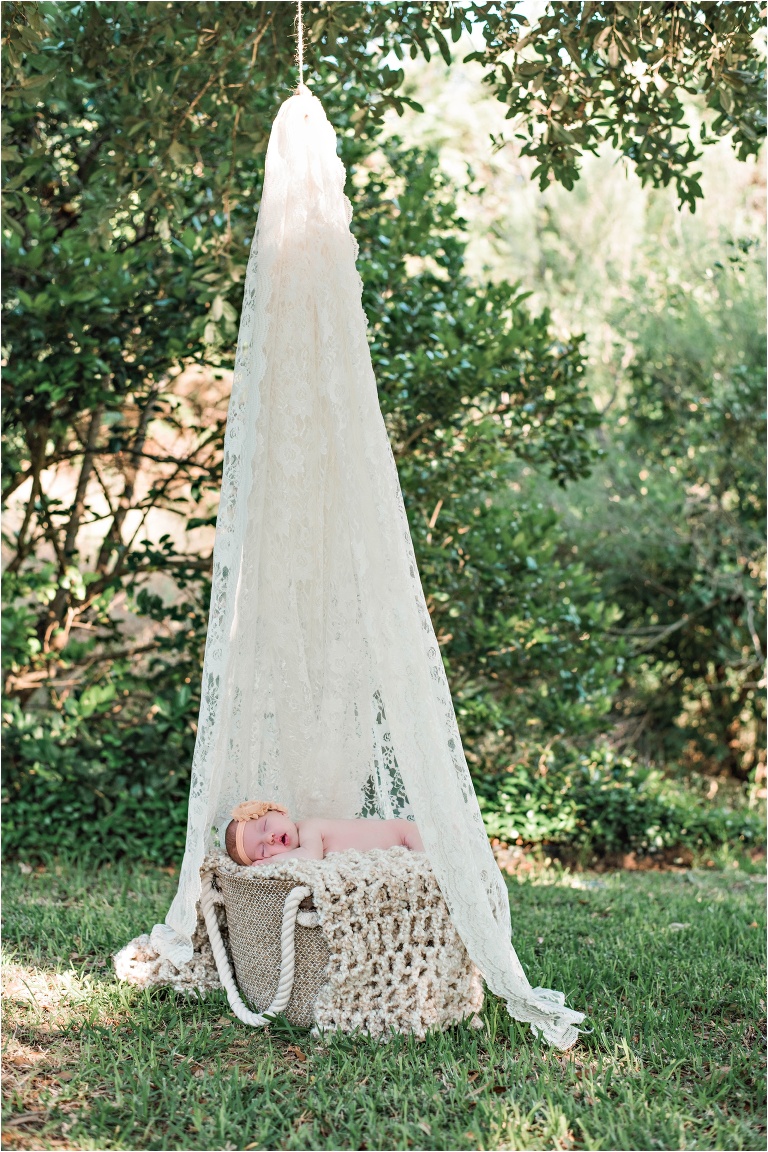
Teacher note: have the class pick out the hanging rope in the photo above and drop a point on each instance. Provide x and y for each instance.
(300, 45)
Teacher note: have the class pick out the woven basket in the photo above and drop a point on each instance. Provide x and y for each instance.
(358, 941)
(254, 909)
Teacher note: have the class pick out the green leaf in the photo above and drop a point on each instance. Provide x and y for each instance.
(442, 44)
(35, 82)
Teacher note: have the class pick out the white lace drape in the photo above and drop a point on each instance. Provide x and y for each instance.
(323, 685)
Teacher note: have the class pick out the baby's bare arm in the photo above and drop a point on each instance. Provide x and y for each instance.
(294, 854)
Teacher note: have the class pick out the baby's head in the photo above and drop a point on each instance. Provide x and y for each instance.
(259, 830)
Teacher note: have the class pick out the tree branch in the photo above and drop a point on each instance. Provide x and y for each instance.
(113, 537)
(36, 469)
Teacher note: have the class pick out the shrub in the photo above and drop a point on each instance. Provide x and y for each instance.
(77, 783)
(608, 802)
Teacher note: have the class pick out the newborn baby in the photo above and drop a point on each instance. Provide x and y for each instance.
(260, 831)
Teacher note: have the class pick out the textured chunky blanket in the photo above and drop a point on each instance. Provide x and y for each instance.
(395, 961)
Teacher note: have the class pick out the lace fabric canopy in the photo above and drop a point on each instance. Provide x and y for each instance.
(323, 686)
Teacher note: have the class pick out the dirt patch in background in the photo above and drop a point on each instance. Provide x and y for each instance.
(516, 859)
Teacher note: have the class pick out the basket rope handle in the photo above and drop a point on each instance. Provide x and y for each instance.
(287, 955)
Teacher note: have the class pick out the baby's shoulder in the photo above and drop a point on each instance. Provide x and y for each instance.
(310, 823)
(324, 827)
(312, 832)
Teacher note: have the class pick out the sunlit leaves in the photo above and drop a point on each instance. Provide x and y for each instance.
(625, 73)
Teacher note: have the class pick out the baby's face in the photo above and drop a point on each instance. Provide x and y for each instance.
(270, 835)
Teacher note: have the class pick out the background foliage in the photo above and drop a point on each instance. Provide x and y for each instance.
(134, 143)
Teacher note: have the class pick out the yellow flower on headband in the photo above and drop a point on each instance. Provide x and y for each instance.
(253, 809)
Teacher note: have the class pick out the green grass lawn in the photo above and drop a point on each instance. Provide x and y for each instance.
(670, 967)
